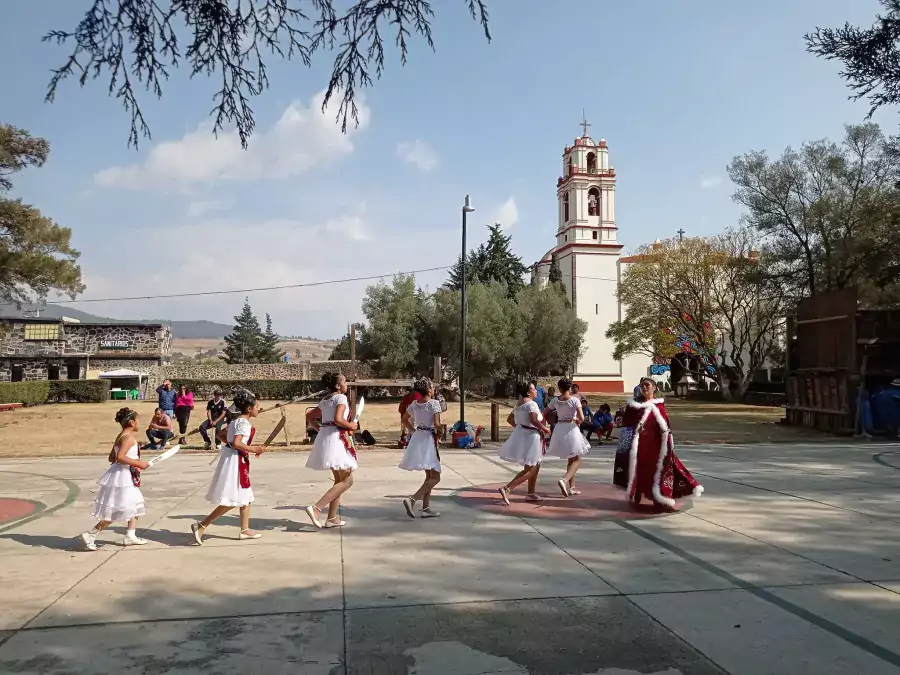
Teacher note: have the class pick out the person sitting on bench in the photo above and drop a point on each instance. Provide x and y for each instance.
(159, 431)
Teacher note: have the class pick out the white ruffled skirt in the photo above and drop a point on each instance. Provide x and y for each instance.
(568, 441)
(523, 447)
(225, 488)
(329, 453)
(118, 499)
(421, 453)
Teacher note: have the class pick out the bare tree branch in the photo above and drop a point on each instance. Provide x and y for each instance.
(136, 43)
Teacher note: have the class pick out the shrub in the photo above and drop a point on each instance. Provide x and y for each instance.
(77, 391)
(24, 392)
(280, 390)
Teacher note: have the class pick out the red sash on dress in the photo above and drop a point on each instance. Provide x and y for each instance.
(348, 441)
(136, 472)
(244, 463)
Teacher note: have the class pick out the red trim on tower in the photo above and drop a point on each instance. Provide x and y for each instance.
(600, 386)
(573, 244)
(587, 227)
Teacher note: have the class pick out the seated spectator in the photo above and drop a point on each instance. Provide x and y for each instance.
(215, 417)
(159, 431)
(603, 423)
(585, 408)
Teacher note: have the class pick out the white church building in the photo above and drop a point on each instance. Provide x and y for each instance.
(590, 259)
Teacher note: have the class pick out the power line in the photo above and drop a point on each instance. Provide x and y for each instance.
(250, 290)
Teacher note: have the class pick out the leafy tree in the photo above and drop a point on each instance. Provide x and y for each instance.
(364, 352)
(393, 313)
(870, 56)
(36, 255)
(491, 336)
(244, 342)
(492, 261)
(137, 43)
(550, 335)
(827, 213)
(268, 350)
(714, 290)
(554, 276)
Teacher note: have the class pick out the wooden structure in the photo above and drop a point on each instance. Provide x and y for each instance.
(833, 349)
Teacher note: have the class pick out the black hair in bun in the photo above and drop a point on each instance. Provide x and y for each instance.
(330, 381)
(125, 415)
(522, 389)
(421, 386)
(564, 384)
(244, 400)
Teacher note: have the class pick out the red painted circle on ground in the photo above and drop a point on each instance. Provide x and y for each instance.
(14, 509)
(598, 501)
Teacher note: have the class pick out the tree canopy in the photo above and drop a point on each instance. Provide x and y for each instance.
(248, 343)
(870, 56)
(36, 254)
(136, 44)
(492, 261)
(710, 289)
(827, 214)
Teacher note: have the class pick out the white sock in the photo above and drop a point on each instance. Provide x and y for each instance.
(131, 534)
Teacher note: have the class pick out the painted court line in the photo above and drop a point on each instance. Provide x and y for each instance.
(829, 626)
(73, 492)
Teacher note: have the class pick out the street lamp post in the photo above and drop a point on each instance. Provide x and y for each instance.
(466, 209)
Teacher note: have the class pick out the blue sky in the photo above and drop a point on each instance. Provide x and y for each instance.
(676, 88)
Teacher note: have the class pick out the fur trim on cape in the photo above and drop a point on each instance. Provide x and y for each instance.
(650, 407)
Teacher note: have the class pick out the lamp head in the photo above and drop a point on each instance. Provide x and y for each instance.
(468, 208)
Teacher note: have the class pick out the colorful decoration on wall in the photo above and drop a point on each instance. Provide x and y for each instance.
(685, 345)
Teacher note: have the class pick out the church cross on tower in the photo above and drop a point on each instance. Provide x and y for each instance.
(584, 124)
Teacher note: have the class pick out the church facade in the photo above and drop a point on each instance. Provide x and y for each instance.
(589, 257)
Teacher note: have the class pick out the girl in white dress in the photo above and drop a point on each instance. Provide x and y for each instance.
(423, 419)
(567, 441)
(120, 497)
(334, 449)
(526, 445)
(230, 486)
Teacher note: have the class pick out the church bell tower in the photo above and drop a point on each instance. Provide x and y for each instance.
(588, 254)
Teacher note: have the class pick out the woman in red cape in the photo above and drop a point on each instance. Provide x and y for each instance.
(654, 470)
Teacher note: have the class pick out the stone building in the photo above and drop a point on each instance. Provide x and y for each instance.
(63, 349)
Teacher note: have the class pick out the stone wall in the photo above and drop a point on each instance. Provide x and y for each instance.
(81, 338)
(302, 370)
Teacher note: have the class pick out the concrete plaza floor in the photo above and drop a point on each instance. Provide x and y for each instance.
(790, 563)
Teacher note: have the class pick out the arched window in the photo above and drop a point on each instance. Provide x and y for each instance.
(570, 165)
(566, 207)
(593, 202)
(592, 163)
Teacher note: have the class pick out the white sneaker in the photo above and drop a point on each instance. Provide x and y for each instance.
(88, 540)
(428, 513)
(409, 504)
(134, 541)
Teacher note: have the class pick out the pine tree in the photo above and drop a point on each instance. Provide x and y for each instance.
(243, 344)
(491, 261)
(268, 351)
(555, 275)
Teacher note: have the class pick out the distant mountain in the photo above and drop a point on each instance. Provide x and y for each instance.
(180, 329)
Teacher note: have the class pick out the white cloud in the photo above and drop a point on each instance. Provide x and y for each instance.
(419, 153)
(507, 214)
(302, 138)
(246, 253)
(201, 208)
(710, 182)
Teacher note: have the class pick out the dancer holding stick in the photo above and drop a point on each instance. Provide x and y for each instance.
(120, 497)
(526, 445)
(230, 486)
(333, 450)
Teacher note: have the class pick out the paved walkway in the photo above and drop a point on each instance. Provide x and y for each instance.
(789, 564)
